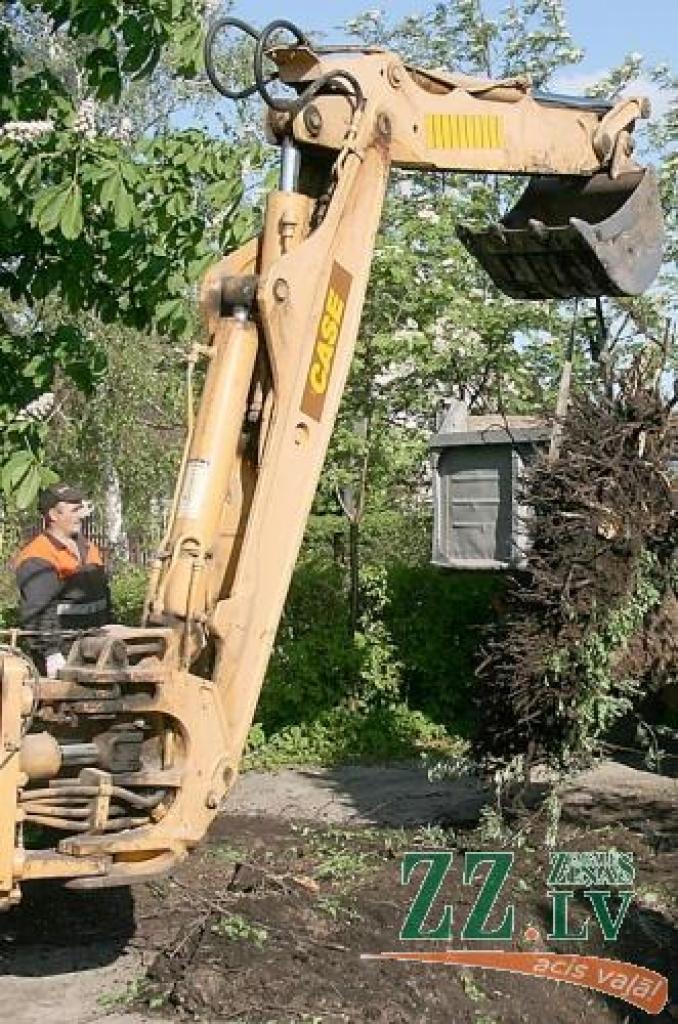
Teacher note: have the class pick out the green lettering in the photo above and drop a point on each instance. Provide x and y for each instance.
(598, 899)
(559, 905)
(627, 872)
(439, 861)
(492, 886)
(557, 874)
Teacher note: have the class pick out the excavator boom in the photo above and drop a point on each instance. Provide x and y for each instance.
(590, 222)
(124, 759)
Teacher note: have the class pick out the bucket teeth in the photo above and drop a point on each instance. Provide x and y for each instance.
(570, 237)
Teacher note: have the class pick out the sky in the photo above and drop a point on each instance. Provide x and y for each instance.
(607, 30)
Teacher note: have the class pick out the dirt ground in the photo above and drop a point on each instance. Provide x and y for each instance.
(265, 924)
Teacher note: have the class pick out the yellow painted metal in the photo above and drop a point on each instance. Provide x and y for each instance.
(454, 122)
(13, 674)
(47, 864)
(208, 469)
(285, 225)
(40, 757)
(464, 131)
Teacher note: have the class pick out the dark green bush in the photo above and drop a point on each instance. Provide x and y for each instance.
(128, 590)
(418, 638)
(340, 735)
(385, 535)
(436, 618)
(315, 663)
(9, 600)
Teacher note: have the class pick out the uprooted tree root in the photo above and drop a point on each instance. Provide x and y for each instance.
(591, 624)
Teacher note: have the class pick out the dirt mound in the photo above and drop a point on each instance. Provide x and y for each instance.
(270, 924)
(265, 924)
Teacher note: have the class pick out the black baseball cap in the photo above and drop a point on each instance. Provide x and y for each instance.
(52, 495)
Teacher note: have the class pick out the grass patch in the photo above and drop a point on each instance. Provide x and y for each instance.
(239, 929)
(339, 865)
(136, 990)
(336, 909)
(341, 736)
(226, 854)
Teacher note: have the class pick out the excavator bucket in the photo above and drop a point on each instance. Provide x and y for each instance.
(571, 237)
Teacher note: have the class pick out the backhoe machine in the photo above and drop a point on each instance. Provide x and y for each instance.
(125, 758)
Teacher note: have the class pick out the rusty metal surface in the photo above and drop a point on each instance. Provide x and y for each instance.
(594, 237)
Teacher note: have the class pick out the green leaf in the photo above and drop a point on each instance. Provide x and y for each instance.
(27, 169)
(110, 85)
(137, 57)
(190, 53)
(168, 309)
(104, 73)
(47, 476)
(66, 339)
(8, 217)
(124, 208)
(8, 153)
(95, 172)
(222, 193)
(131, 174)
(151, 64)
(110, 188)
(89, 20)
(15, 469)
(48, 207)
(197, 267)
(71, 222)
(132, 31)
(28, 489)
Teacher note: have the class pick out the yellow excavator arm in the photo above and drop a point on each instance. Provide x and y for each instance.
(125, 758)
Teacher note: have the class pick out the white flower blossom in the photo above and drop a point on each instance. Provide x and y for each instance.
(25, 131)
(39, 408)
(405, 187)
(125, 130)
(85, 119)
(122, 131)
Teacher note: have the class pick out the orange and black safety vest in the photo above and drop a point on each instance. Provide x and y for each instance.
(60, 591)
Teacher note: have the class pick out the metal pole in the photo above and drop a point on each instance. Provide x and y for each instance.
(289, 165)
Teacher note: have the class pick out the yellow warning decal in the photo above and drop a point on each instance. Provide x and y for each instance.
(327, 336)
(464, 131)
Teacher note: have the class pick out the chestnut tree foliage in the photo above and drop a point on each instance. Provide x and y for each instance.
(111, 206)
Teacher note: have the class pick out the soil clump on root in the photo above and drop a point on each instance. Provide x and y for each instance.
(590, 624)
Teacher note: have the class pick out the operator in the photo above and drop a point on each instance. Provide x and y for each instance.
(61, 578)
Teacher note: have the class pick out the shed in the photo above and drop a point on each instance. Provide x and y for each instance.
(478, 520)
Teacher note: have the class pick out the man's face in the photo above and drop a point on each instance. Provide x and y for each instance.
(67, 516)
